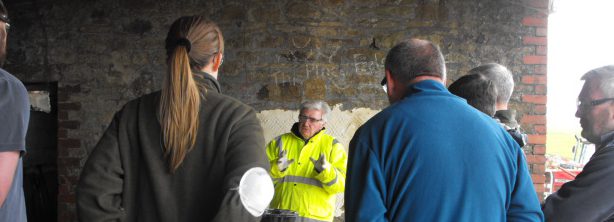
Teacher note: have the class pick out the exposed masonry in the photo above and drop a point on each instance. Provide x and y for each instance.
(278, 53)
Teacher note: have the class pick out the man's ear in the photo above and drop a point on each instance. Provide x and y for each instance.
(389, 83)
(217, 61)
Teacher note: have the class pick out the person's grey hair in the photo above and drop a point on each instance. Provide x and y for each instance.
(415, 57)
(501, 77)
(317, 105)
(605, 76)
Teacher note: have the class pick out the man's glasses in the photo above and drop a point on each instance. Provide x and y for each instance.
(6, 20)
(592, 103)
(303, 118)
(384, 84)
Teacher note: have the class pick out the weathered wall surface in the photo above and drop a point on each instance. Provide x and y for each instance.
(341, 124)
(104, 53)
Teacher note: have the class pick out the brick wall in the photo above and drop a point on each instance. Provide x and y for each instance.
(70, 152)
(534, 94)
(104, 53)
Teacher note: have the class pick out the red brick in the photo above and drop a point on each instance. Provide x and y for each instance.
(541, 69)
(537, 139)
(535, 21)
(539, 129)
(538, 178)
(534, 60)
(533, 119)
(62, 115)
(63, 97)
(535, 99)
(541, 32)
(62, 133)
(533, 79)
(69, 106)
(66, 91)
(539, 150)
(539, 109)
(540, 89)
(541, 50)
(538, 168)
(67, 180)
(69, 124)
(66, 213)
(63, 153)
(63, 189)
(67, 198)
(536, 159)
(69, 143)
(70, 89)
(69, 162)
(530, 40)
(74, 152)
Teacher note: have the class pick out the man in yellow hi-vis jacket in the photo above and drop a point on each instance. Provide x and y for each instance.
(308, 166)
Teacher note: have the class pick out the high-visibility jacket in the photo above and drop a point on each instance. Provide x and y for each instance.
(300, 188)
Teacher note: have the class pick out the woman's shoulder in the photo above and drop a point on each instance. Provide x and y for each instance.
(221, 101)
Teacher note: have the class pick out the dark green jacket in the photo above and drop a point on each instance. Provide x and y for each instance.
(126, 177)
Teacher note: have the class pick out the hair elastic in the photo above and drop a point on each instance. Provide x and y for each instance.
(184, 42)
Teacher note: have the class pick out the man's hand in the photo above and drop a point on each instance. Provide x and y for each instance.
(283, 162)
(321, 164)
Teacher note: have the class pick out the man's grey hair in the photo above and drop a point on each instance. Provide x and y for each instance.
(317, 105)
(605, 76)
(500, 76)
(415, 57)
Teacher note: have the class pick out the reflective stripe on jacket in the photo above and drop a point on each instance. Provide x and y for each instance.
(300, 188)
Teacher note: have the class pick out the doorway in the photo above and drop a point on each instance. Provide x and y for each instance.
(40, 177)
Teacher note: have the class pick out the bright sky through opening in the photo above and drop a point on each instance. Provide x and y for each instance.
(580, 38)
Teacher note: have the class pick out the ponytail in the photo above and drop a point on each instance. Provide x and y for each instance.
(191, 43)
(179, 108)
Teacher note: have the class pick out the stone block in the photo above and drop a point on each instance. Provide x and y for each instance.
(315, 89)
(233, 12)
(302, 10)
(281, 92)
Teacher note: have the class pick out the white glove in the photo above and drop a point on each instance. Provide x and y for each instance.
(320, 164)
(283, 162)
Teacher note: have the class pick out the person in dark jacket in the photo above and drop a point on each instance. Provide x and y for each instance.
(504, 84)
(590, 197)
(481, 94)
(185, 153)
(430, 156)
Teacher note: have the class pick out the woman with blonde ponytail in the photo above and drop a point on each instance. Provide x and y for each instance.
(185, 153)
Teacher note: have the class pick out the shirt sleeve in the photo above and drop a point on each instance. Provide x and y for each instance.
(245, 150)
(15, 114)
(365, 189)
(588, 197)
(524, 205)
(100, 188)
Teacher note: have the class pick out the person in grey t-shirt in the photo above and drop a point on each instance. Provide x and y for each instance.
(15, 114)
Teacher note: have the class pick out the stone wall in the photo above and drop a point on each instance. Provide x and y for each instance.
(278, 53)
